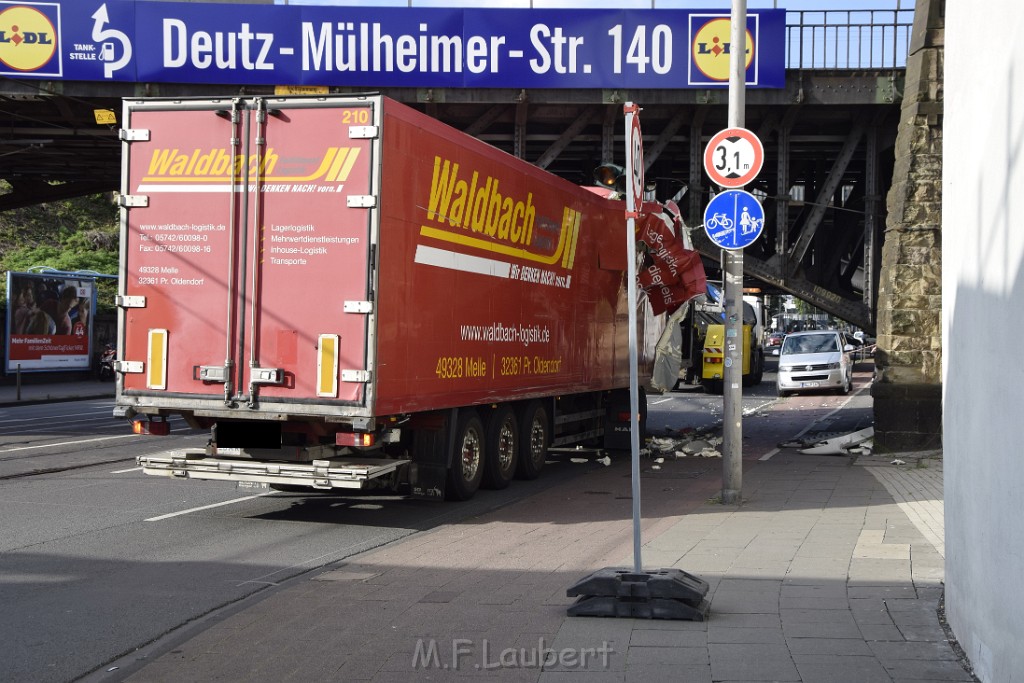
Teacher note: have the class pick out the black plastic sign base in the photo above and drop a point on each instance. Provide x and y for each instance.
(659, 594)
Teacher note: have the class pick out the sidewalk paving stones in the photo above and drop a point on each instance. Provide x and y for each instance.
(801, 590)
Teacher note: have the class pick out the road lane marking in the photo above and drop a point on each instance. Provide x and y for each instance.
(207, 507)
(134, 469)
(65, 443)
(99, 438)
(77, 417)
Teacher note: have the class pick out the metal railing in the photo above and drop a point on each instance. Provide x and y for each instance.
(848, 39)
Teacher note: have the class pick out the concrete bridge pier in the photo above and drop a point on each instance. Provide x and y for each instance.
(908, 383)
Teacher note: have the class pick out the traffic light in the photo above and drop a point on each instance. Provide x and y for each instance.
(611, 175)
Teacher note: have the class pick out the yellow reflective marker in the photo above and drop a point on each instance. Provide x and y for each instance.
(327, 366)
(156, 366)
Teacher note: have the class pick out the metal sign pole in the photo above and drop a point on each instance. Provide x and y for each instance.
(634, 177)
(732, 419)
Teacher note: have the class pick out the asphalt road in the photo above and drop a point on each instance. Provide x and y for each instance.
(689, 408)
(97, 560)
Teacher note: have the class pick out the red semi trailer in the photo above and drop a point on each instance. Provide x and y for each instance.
(347, 293)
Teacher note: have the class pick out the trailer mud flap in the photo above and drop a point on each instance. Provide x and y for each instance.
(618, 422)
(428, 473)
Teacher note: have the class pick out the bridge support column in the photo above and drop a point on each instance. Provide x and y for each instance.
(908, 381)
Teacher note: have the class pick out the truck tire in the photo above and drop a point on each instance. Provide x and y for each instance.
(534, 437)
(466, 470)
(501, 447)
(759, 370)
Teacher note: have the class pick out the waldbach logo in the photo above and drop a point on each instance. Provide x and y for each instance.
(469, 208)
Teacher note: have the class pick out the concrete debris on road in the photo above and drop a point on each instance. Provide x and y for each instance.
(841, 445)
(606, 461)
(691, 445)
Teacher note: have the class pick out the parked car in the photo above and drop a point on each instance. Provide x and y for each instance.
(815, 360)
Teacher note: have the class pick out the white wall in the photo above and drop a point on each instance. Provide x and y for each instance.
(983, 332)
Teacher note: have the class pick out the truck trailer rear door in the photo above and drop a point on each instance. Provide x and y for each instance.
(247, 240)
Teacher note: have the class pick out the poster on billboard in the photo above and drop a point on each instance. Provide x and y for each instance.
(49, 322)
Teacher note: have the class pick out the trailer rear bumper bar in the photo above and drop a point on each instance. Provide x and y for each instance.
(340, 473)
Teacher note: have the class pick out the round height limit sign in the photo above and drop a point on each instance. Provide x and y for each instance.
(733, 157)
(634, 158)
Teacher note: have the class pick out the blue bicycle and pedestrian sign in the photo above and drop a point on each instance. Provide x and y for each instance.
(734, 219)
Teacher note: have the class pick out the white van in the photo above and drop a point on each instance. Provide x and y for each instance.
(815, 360)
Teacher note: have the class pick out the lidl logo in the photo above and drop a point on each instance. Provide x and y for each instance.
(711, 49)
(28, 39)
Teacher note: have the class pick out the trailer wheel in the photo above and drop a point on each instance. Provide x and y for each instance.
(534, 437)
(467, 465)
(501, 447)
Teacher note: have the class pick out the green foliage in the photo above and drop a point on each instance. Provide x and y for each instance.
(70, 235)
(804, 308)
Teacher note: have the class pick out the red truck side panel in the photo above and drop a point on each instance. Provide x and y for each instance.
(491, 284)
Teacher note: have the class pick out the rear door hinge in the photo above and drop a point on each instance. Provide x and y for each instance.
(129, 366)
(131, 301)
(358, 307)
(133, 201)
(133, 134)
(361, 201)
(362, 132)
(357, 376)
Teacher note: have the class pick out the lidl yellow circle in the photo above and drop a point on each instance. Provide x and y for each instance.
(711, 49)
(27, 38)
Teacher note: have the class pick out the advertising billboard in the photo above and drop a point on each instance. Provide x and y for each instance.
(49, 322)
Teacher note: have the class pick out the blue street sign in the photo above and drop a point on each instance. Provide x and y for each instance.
(734, 219)
(380, 47)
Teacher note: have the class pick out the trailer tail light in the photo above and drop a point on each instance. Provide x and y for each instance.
(355, 439)
(327, 366)
(713, 361)
(156, 360)
(152, 427)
